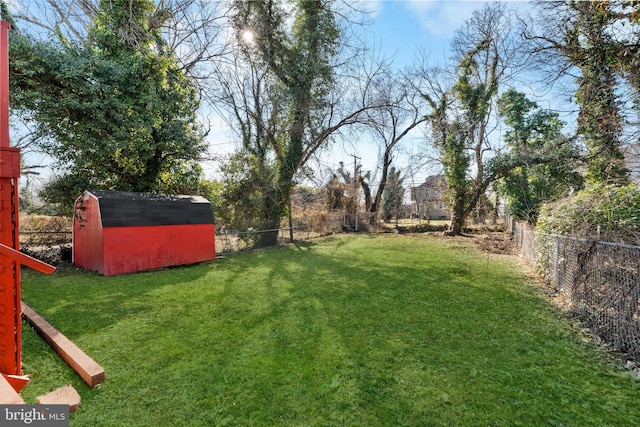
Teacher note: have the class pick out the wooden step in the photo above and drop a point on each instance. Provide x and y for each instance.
(66, 395)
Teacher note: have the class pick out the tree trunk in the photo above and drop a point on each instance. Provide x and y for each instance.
(274, 208)
(290, 222)
(458, 217)
(457, 222)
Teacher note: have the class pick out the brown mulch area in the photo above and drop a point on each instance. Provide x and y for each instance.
(495, 242)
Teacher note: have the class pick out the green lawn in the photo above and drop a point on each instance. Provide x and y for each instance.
(353, 330)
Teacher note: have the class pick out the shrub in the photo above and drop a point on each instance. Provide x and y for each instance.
(604, 212)
(423, 228)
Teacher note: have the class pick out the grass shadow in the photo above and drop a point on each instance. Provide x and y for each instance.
(348, 330)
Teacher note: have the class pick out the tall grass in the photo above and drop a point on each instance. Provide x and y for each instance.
(352, 330)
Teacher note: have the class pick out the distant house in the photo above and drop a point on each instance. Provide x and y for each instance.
(429, 198)
(632, 157)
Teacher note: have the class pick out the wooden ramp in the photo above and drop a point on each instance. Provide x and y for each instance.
(92, 373)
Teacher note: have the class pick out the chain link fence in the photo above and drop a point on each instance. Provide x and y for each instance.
(231, 241)
(600, 281)
(52, 243)
(46, 238)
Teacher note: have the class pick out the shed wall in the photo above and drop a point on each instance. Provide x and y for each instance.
(88, 237)
(131, 249)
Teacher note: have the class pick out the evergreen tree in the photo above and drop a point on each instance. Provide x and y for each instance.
(115, 110)
(393, 195)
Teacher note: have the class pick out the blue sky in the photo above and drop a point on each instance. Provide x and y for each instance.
(406, 26)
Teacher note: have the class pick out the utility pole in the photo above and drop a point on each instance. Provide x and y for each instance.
(355, 170)
(355, 187)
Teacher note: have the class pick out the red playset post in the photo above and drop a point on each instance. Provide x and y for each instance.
(10, 257)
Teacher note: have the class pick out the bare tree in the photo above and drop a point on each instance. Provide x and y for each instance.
(194, 30)
(45, 18)
(401, 110)
(198, 34)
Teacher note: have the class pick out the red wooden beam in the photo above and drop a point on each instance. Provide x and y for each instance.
(10, 331)
(24, 259)
(10, 256)
(18, 382)
(4, 84)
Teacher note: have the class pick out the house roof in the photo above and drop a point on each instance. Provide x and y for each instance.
(124, 209)
(432, 181)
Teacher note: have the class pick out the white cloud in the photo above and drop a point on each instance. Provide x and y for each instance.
(442, 18)
(374, 7)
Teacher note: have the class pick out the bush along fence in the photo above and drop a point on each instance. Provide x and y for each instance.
(600, 280)
(51, 247)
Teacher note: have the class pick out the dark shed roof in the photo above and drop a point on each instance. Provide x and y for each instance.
(123, 209)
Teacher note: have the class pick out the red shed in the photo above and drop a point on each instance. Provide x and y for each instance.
(119, 232)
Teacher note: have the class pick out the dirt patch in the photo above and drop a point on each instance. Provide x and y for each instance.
(495, 243)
